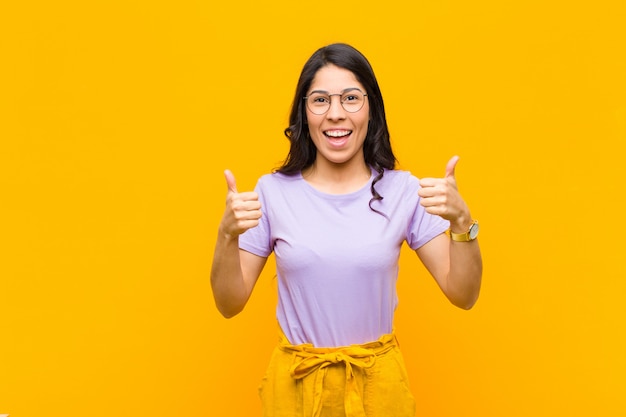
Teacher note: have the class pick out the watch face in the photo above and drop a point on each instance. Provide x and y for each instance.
(473, 231)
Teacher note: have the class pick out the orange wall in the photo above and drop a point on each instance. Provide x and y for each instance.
(117, 119)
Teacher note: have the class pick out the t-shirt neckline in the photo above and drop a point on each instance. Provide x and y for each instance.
(364, 188)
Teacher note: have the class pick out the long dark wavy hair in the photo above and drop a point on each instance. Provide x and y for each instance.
(377, 146)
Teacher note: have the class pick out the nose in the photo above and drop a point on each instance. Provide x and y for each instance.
(336, 110)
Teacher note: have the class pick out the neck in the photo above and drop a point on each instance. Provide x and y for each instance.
(337, 178)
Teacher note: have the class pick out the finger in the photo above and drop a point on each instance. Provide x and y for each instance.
(230, 181)
(451, 166)
(429, 182)
(430, 208)
(426, 192)
(428, 202)
(248, 224)
(248, 215)
(433, 201)
(244, 204)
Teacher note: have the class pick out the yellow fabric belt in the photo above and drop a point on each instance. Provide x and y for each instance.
(311, 360)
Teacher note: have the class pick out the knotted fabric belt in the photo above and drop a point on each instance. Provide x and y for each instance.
(311, 360)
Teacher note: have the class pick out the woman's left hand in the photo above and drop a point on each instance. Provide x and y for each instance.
(440, 196)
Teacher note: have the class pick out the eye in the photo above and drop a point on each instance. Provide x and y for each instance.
(350, 97)
(319, 99)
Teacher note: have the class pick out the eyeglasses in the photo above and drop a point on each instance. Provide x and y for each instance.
(352, 100)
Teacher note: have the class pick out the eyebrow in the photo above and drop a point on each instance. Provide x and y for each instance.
(345, 90)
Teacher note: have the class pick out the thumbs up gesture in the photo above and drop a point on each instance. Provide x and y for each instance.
(243, 210)
(440, 196)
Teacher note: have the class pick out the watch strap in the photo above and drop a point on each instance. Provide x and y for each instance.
(464, 237)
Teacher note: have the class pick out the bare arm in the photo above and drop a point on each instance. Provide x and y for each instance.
(456, 266)
(234, 271)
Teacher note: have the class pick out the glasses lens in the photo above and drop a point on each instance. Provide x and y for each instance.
(352, 101)
(318, 103)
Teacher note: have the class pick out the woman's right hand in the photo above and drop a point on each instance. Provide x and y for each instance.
(235, 271)
(243, 210)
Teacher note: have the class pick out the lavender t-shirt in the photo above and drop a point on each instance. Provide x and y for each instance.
(336, 259)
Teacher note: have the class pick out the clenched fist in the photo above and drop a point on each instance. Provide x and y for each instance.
(440, 196)
(243, 210)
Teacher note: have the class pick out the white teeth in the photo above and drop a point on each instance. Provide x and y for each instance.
(337, 133)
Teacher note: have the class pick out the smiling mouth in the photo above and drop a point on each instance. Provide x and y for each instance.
(337, 134)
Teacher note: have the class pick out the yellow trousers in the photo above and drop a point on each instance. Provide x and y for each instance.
(366, 380)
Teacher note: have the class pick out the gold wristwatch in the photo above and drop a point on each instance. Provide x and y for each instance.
(468, 236)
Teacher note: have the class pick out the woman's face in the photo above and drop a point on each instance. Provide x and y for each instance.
(338, 134)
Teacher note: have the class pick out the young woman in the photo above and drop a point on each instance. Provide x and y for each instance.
(335, 215)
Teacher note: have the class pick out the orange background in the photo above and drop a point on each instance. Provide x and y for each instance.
(117, 119)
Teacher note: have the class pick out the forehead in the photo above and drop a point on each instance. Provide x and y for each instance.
(334, 79)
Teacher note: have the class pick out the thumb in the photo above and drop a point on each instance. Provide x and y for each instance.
(230, 181)
(451, 166)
